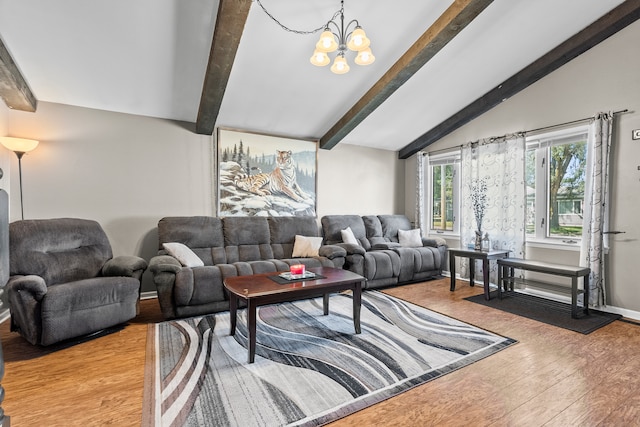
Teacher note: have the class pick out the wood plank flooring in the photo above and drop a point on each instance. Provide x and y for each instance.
(552, 377)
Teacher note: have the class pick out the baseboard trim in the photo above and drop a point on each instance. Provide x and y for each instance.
(149, 295)
(4, 314)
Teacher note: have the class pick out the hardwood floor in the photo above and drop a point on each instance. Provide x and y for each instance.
(552, 377)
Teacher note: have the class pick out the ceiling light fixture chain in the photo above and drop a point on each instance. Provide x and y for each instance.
(291, 30)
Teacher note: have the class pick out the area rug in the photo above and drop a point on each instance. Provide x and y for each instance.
(309, 369)
(547, 311)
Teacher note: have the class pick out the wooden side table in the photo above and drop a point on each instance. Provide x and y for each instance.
(473, 255)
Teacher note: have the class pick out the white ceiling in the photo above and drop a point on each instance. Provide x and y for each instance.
(148, 57)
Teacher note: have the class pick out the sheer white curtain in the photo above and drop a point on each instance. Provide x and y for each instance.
(596, 206)
(500, 163)
(422, 159)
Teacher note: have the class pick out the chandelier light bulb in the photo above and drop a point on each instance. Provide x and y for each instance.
(327, 42)
(358, 40)
(365, 57)
(319, 59)
(340, 65)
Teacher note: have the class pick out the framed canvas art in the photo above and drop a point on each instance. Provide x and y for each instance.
(265, 175)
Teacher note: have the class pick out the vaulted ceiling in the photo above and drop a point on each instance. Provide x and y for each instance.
(439, 63)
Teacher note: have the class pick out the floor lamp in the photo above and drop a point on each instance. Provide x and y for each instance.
(19, 146)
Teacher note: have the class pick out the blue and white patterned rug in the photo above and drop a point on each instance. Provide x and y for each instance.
(309, 369)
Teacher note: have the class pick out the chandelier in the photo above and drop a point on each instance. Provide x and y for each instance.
(335, 37)
(342, 39)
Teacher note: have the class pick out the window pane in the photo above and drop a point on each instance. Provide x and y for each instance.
(566, 188)
(442, 202)
(530, 177)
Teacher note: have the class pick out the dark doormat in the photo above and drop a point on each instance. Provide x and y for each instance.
(547, 311)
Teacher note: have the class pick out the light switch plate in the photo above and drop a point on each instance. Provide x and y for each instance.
(635, 134)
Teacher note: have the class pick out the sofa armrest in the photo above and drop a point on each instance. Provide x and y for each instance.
(352, 248)
(332, 251)
(164, 264)
(125, 265)
(32, 285)
(164, 269)
(433, 241)
(25, 295)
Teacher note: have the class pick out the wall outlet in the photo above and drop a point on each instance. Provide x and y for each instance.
(635, 134)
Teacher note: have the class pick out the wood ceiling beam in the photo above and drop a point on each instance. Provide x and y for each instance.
(14, 89)
(441, 32)
(609, 24)
(230, 22)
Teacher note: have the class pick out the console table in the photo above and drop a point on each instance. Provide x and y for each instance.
(507, 278)
(473, 255)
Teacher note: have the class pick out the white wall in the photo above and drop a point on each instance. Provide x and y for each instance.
(4, 120)
(5, 155)
(607, 77)
(360, 181)
(127, 172)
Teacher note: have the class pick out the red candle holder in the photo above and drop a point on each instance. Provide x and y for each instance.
(297, 269)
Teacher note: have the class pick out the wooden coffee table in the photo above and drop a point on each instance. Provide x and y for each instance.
(261, 289)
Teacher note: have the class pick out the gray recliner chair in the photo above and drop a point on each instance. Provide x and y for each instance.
(64, 281)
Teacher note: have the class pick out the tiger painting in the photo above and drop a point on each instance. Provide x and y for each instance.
(281, 180)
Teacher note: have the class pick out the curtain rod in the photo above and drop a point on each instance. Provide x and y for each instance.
(626, 110)
(424, 153)
(572, 122)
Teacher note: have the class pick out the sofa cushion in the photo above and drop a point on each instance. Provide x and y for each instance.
(247, 239)
(183, 254)
(199, 233)
(410, 238)
(391, 224)
(78, 308)
(58, 250)
(283, 232)
(284, 229)
(306, 246)
(332, 226)
(374, 231)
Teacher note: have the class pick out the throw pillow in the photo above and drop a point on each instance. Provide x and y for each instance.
(410, 238)
(349, 237)
(183, 254)
(306, 246)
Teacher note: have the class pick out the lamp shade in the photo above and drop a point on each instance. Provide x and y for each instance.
(340, 65)
(319, 59)
(365, 57)
(358, 40)
(327, 42)
(18, 145)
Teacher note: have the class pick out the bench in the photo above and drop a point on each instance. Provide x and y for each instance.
(506, 277)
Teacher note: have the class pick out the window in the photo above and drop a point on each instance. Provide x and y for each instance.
(443, 184)
(555, 177)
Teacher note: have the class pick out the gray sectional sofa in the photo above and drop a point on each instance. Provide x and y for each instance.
(235, 246)
(225, 247)
(378, 255)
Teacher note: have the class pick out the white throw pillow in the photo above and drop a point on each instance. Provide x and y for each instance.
(349, 237)
(183, 254)
(410, 238)
(306, 246)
